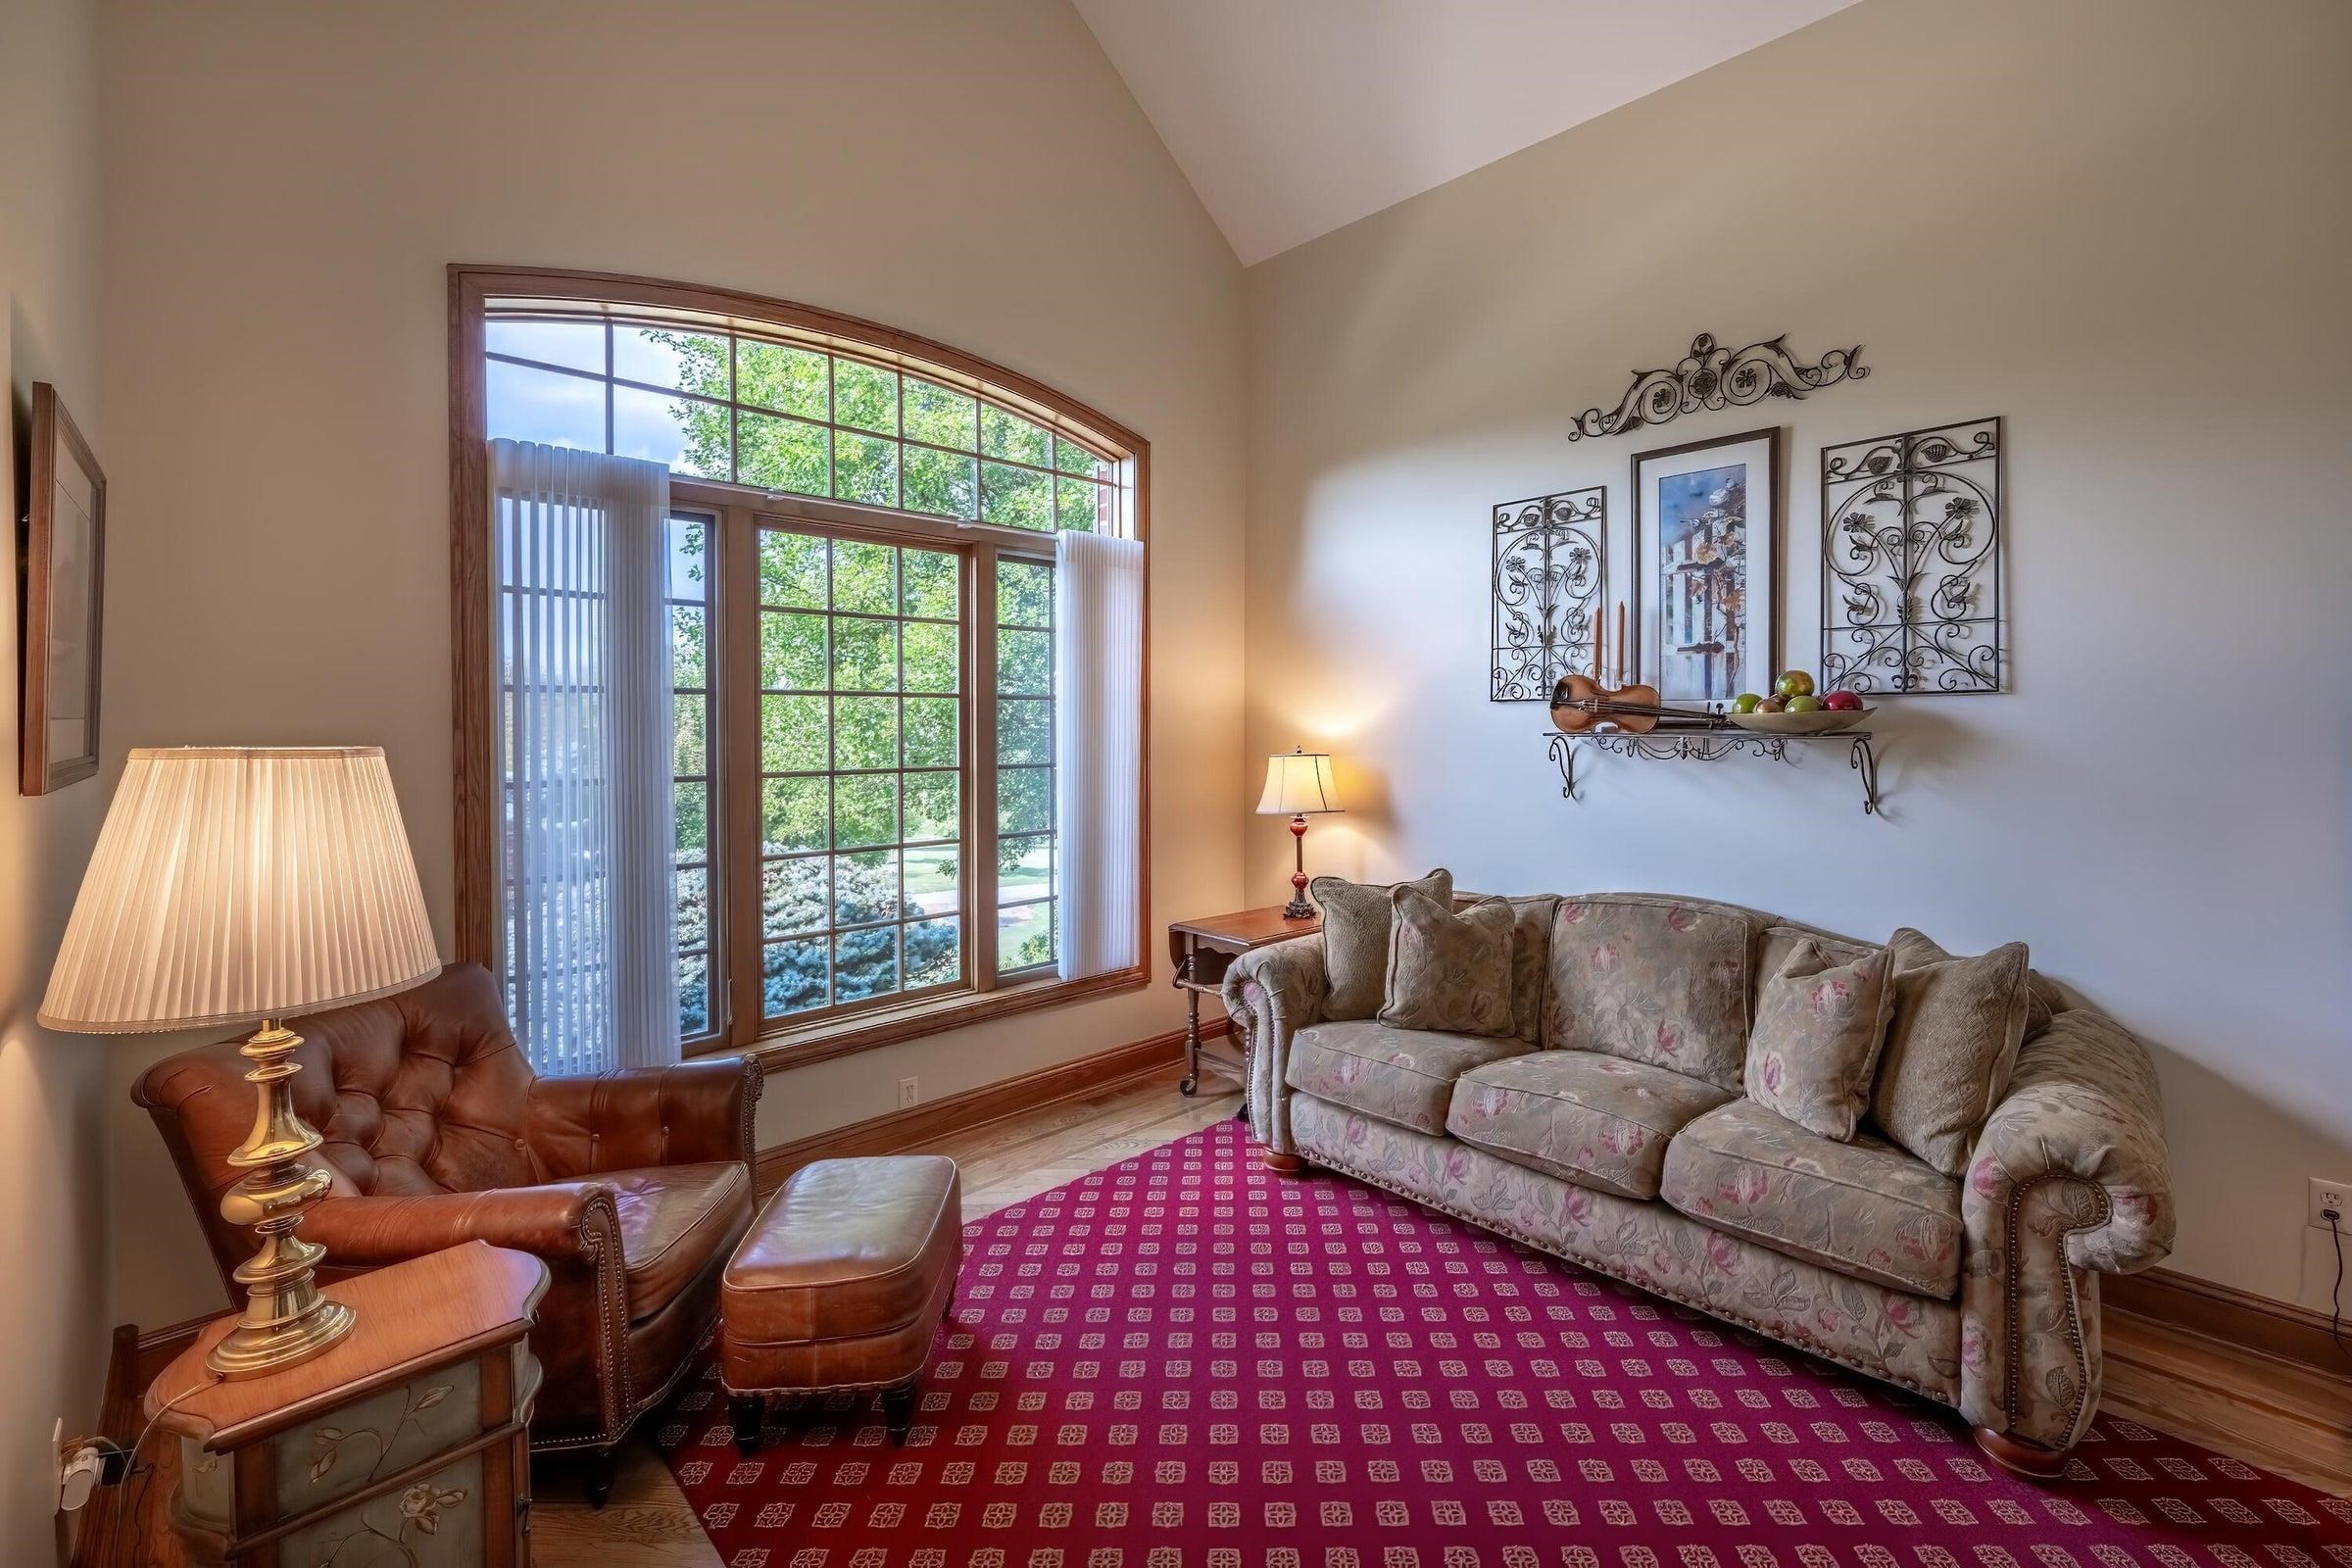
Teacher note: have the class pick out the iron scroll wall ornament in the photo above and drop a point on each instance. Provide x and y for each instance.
(1911, 561)
(1711, 376)
(1547, 574)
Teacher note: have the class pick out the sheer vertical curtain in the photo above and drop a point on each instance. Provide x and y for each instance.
(590, 937)
(1099, 748)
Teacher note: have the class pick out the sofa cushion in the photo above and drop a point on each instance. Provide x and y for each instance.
(1404, 1076)
(1950, 1047)
(1650, 980)
(1356, 919)
(1819, 1026)
(1445, 970)
(1864, 1208)
(1598, 1120)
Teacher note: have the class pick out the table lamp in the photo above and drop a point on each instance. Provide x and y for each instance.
(235, 884)
(1298, 786)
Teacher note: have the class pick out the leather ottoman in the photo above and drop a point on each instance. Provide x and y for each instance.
(839, 1285)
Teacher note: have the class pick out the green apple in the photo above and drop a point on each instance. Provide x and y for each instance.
(1746, 703)
(1802, 704)
(1796, 683)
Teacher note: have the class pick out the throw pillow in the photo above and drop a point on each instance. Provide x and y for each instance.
(1819, 1027)
(1448, 972)
(1356, 939)
(1950, 1047)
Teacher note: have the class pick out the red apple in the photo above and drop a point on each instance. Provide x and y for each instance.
(1842, 702)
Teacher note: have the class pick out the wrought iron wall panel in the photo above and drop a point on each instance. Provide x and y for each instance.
(1549, 569)
(1911, 561)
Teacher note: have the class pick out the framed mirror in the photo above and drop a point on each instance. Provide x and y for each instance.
(64, 559)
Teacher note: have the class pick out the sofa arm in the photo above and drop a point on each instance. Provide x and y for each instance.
(643, 1117)
(2069, 1179)
(561, 1222)
(1271, 993)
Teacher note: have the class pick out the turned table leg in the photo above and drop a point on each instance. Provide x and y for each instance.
(1192, 1025)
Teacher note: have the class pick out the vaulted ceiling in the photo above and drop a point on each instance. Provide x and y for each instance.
(1293, 117)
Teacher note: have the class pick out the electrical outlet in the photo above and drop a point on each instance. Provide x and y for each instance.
(908, 1094)
(2324, 1196)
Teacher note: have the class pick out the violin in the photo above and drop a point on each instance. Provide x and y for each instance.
(1579, 702)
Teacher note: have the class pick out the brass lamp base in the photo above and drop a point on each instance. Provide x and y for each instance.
(286, 1320)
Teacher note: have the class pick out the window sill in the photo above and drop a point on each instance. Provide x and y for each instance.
(784, 1048)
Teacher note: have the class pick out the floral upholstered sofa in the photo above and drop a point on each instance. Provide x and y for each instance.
(1639, 1156)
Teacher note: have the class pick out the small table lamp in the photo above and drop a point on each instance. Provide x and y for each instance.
(1298, 786)
(231, 884)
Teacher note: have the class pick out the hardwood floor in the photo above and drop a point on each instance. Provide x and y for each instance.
(2266, 1412)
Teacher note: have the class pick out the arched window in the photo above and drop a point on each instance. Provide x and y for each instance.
(860, 590)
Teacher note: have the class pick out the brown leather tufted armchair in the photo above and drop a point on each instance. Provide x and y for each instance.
(632, 1187)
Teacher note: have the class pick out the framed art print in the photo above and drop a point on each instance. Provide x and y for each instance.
(64, 559)
(1706, 567)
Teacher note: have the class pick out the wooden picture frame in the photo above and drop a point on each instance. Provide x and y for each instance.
(63, 595)
(1685, 677)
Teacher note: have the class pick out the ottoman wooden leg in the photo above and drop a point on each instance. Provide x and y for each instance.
(898, 1411)
(747, 1413)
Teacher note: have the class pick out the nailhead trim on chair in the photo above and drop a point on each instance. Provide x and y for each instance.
(623, 1407)
(600, 1236)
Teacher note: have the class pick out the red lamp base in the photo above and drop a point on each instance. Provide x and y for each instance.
(1298, 909)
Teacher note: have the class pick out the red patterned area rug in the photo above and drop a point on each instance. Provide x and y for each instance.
(1185, 1362)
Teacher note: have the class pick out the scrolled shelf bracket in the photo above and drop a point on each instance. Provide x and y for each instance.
(1865, 761)
(1711, 746)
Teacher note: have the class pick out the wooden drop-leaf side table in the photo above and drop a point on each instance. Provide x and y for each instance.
(407, 1441)
(1202, 951)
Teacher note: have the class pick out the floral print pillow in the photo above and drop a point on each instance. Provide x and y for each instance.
(1448, 972)
(1819, 1029)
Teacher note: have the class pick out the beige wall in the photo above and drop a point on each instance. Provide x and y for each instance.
(2121, 223)
(52, 1116)
(286, 184)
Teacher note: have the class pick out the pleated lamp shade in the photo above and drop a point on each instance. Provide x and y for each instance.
(232, 883)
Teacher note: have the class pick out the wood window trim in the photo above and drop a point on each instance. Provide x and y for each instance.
(473, 691)
(784, 1048)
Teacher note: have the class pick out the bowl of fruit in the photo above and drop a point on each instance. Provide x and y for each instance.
(1792, 708)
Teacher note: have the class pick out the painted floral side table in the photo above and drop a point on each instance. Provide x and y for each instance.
(406, 1443)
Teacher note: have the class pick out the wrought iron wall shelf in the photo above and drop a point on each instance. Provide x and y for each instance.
(1712, 746)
